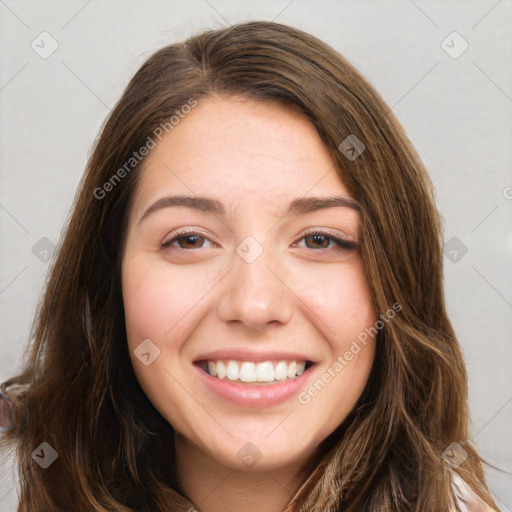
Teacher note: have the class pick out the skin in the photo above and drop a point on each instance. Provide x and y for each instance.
(300, 295)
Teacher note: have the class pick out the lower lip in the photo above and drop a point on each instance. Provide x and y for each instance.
(254, 396)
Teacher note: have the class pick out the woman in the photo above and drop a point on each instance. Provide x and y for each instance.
(246, 311)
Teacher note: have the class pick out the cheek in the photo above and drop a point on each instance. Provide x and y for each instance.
(353, 341)
(342, 301)
(156, 304)
(159, 299)
(147, 303)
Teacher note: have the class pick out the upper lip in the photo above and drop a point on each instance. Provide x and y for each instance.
(250, 355)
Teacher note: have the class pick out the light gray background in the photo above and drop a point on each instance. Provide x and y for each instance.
(457, 112)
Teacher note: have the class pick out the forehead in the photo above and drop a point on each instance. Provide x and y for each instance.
(243, 150)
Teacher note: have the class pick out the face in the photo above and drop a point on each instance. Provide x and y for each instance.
(243, 296)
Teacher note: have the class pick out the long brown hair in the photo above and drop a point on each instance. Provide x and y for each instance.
(78, 392)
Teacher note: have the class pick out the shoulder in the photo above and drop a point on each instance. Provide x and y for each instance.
(467, 500)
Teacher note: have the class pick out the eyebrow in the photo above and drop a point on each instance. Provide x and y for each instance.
(298, 206)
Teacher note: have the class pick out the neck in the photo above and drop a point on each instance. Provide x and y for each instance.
(214, 487)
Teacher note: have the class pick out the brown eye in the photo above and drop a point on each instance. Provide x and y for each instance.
(190, 241)
(318, 240)
(186, 240)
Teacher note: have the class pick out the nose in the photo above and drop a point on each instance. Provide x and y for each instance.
(254, 294)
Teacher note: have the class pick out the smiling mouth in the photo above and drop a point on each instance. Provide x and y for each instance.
(254, 373)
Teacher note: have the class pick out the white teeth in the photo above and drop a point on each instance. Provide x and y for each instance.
(291, 371)
(221, 369)
(264, 372)
(249, 371)
(232, 370)
(280, 371)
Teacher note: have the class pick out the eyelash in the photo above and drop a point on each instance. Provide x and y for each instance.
(340, 242)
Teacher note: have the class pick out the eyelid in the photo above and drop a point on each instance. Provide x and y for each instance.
(339, 242)
(166, 242)
(330, 233)
(342, 241)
